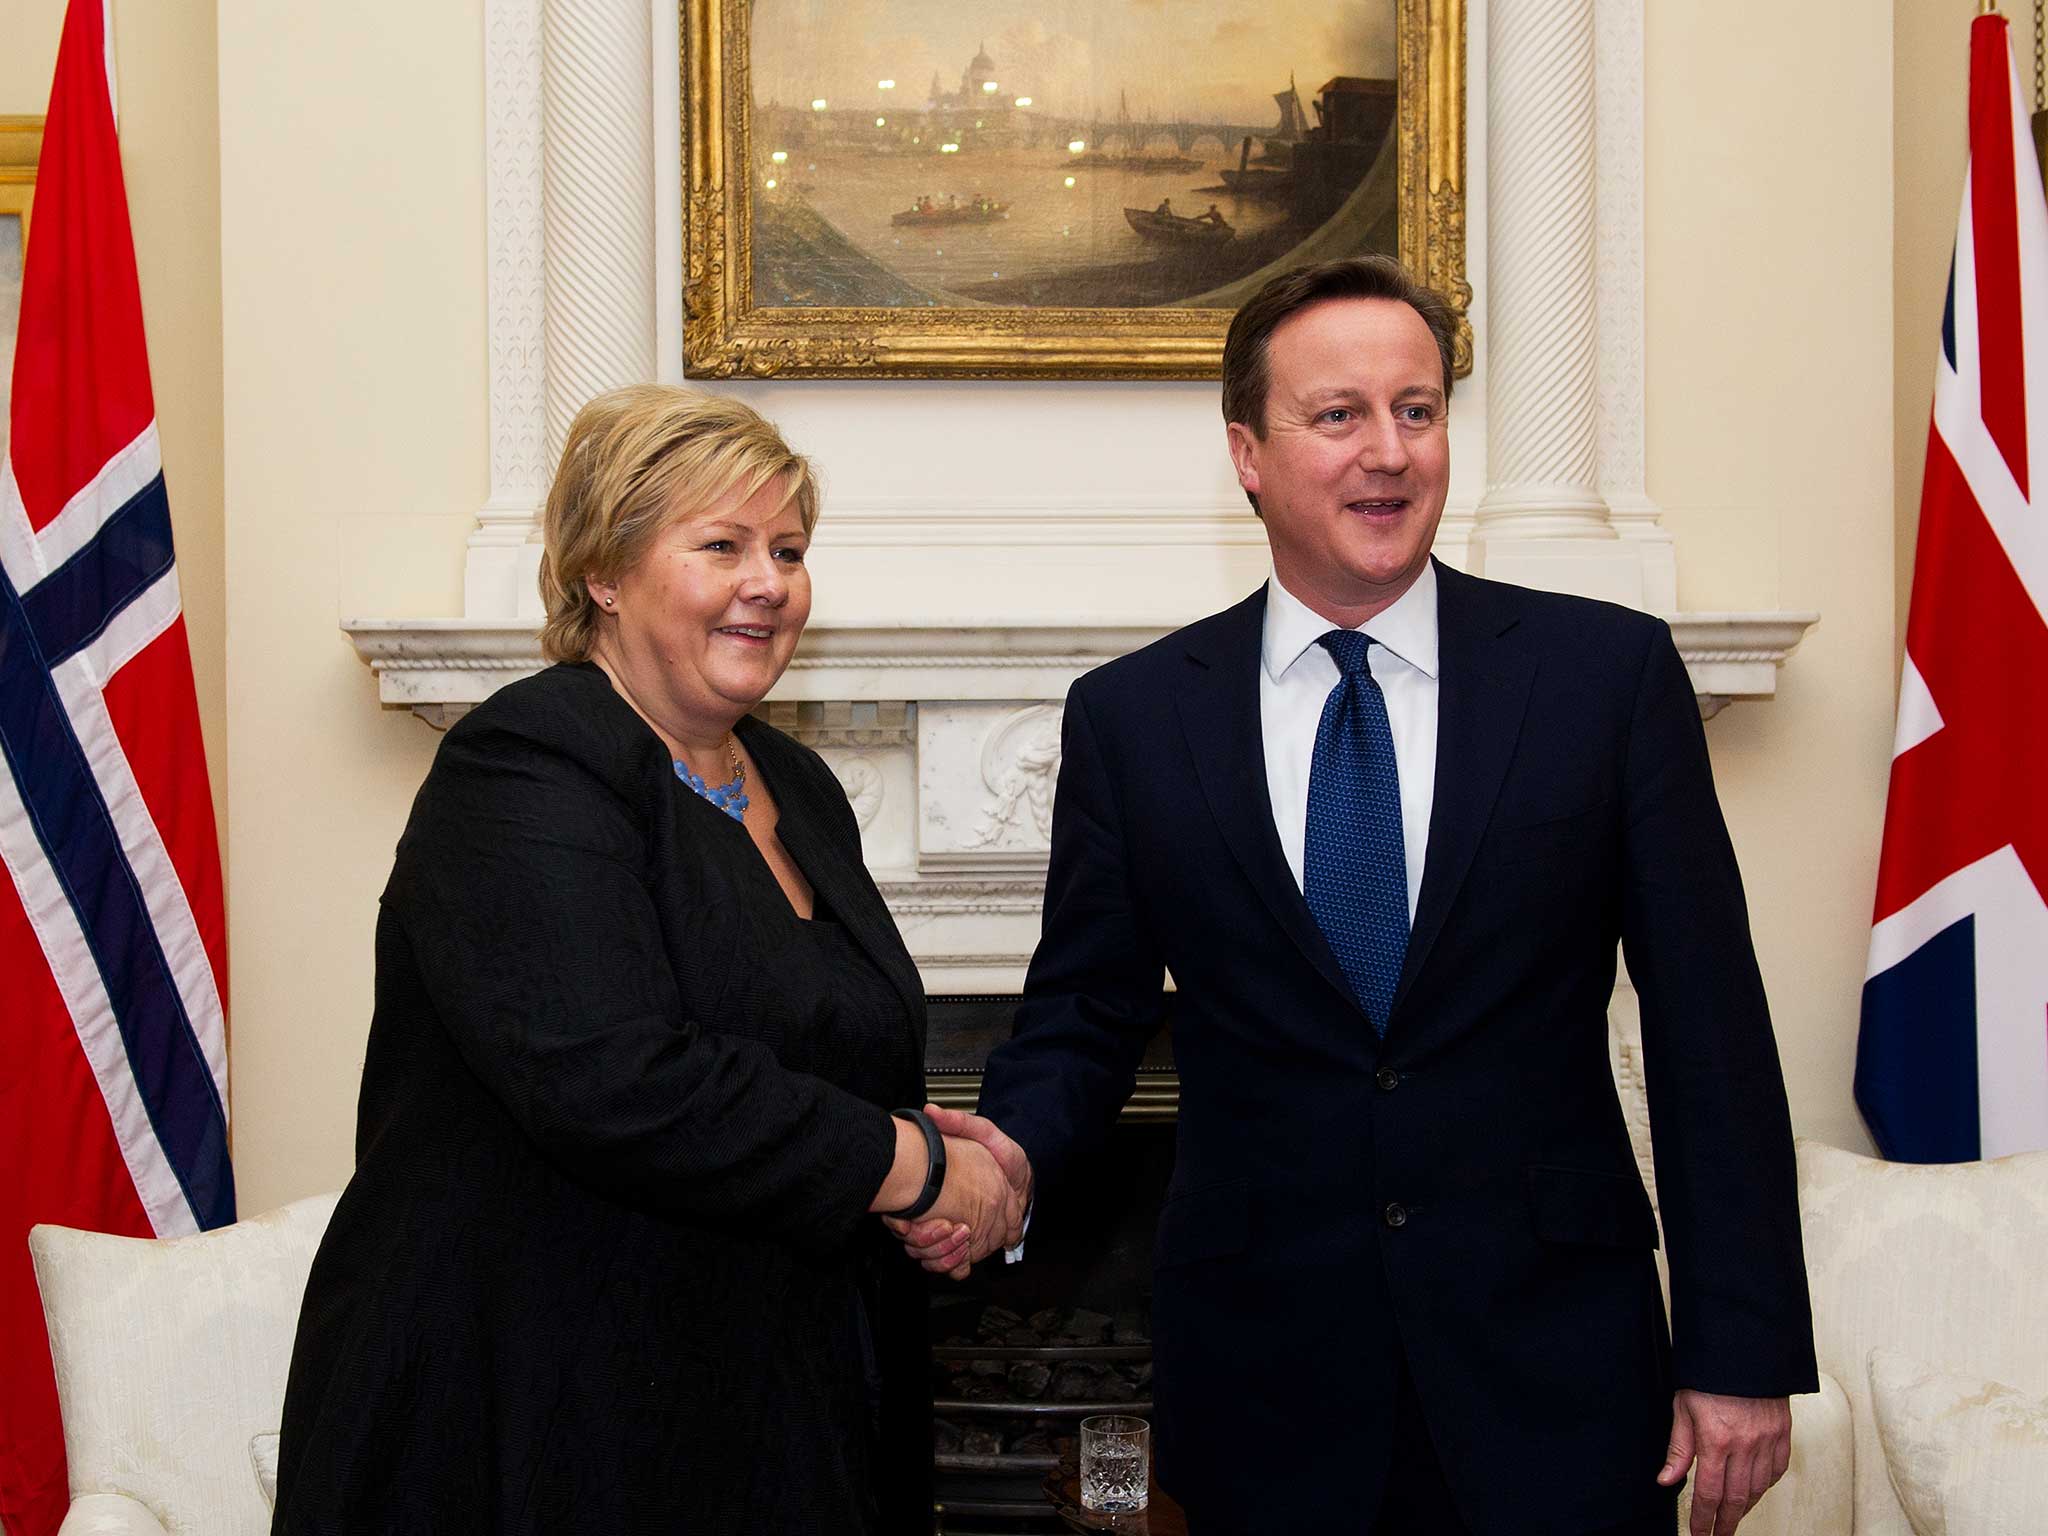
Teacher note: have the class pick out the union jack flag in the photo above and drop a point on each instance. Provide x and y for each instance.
(113, 1092)
(1952, 1063)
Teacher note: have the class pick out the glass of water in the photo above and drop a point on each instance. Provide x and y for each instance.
(1116, 1453)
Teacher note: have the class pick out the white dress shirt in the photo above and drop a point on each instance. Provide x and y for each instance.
(1295, 679)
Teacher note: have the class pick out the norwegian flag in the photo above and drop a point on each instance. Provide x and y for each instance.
(1952, 1063)
(113, 1061)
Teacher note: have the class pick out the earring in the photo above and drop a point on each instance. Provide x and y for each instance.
(609, 601)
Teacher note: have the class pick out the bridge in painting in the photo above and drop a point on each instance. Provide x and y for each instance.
(929, 130)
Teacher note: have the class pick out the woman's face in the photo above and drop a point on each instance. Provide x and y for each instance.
(709, 618)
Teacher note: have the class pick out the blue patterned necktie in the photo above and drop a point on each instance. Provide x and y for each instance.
(1354, 864)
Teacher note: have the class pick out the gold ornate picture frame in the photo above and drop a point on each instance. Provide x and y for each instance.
(21, 145)
(727, 173)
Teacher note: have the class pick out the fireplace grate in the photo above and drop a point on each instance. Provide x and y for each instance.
(1009, 1394)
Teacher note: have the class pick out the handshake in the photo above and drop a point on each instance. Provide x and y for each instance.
(984, 1201)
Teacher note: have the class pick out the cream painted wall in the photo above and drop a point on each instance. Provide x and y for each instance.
(1930, 142)
(31, 28)
(1770, 415)
(352, 233)
(352, 216)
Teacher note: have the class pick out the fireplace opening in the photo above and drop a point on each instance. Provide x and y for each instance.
(1023, 1352)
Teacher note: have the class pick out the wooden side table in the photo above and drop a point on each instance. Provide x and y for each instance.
(1160, 1516)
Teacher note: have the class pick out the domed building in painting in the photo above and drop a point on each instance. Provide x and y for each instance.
(980, 87)
(979, 75)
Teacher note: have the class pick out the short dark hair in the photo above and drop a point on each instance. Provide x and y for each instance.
(1245, 375)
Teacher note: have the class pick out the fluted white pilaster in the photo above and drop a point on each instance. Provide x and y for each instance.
(1543, 520)
(597, 88)
(568, 103)
(1618, 127)
(498, 571)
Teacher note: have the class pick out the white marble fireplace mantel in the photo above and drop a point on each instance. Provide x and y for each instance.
(439, 668)
(947, 740)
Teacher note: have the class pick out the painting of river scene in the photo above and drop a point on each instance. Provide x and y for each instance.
(1068, 155)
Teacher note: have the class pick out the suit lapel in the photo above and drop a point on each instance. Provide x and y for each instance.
(1482, 694)
(1219, 711)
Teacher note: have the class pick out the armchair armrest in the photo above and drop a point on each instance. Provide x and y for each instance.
(1817, 1495)
(109, 1514)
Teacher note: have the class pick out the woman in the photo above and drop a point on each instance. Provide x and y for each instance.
(608, 1262)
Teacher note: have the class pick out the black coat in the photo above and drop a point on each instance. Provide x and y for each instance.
(602, 1264)
(1464, 1197)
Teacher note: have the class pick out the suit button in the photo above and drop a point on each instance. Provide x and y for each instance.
(1395, 1215)
(1388, 1079)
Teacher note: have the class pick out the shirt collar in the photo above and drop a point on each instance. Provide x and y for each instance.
(1407, 627)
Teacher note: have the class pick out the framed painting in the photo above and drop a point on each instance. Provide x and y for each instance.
(21, 143)
(1050, 188)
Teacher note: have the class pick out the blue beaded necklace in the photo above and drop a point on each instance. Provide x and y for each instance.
(725, 797)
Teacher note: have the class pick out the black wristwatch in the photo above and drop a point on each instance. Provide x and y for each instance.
(935, 1169)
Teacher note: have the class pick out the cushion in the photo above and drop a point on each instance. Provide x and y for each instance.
(1967, 1457)
(171, 1355)
(263, 1451)
(1948, 1260)
(108, 1514)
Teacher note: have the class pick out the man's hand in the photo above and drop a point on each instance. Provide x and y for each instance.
(973, 1209)
(1742, 1444)
(942, 1243)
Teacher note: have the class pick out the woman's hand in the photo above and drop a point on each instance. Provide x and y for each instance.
(976, 1202)
(981, 1205)
(949, 1242)
(948, 1250)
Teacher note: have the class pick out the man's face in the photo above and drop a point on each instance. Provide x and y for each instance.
(1355, 463)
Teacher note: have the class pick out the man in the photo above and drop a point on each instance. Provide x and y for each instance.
(1384, 824)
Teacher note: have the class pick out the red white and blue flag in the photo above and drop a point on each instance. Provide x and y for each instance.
(1952, 1063)
(113, 1052)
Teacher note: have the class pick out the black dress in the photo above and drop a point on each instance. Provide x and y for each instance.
(606, 1264)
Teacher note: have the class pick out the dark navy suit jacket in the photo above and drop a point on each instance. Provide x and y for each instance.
(1462, 1197)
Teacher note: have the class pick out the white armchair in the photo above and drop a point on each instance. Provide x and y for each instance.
(1947, 1264)
(171, 1358)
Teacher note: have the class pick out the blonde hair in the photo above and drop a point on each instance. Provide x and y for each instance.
(637, 459)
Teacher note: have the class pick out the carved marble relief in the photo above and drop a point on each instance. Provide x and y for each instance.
(1020, 761)
(985, 785)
